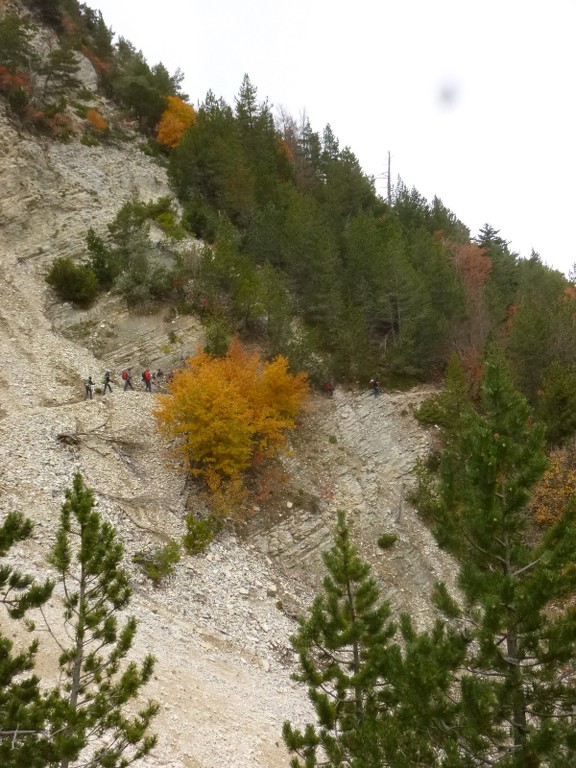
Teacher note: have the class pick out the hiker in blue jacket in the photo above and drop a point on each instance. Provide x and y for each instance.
(106, 380)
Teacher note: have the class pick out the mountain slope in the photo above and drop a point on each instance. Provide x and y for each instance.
(220, 627)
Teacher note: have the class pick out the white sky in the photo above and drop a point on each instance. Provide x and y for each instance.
(476, 101)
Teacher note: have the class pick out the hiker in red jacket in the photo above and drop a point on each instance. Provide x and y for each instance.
(127, 377)
(147, 379)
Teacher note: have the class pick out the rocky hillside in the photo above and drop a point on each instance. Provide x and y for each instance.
(220, 627)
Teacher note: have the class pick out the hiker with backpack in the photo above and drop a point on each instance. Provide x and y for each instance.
(88, 384)
(147, 379)
(375, 387)
(127, 377)
(329, 388)
(106, 381)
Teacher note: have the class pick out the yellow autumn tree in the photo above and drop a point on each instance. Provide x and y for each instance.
(96, 120)
(223, 413)
(556, 488)
(175, 119)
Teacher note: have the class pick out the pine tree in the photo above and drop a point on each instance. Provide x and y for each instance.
(516, 698)
(379, 703)
(261, 164)
(16, 51)
(503, 281)
(247, 108)
(23, 707)
(98, 681)
(330, 145)
(447, 408)
(343, 645)
(60, 70)
(556, 406)
(103, 262)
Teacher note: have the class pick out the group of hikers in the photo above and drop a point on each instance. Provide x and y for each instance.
(147, 379)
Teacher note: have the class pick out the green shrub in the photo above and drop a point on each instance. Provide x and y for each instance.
(160, 562)
(218, 335)
(80, 109)
(84, 93)
(103, 261)
(155, 208)
(89, 141)
(165, 221)
(431, 411)
(18, 100)
(55, 108)
(200, 533)
(201, 219)
(153, 149)
(142, 282)
(423, 494)
(144, 147)
(387, 540)
(169, 225)
(160, 282)
(73, 282)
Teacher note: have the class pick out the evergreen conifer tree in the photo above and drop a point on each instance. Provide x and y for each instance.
(379, 703)
(16, 51)
(60, 70)
(23, 708)
(98, 680)
(516, 697)
(343, 645)
(449, 407)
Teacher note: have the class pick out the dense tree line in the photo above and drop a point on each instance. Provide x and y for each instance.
(391, 286)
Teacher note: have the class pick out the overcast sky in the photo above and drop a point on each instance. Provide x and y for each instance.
(475, 101)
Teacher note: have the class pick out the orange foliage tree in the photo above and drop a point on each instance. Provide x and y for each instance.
(97, 121)
(12, 81)
(175, 119)
(225, 413)
(556, 488)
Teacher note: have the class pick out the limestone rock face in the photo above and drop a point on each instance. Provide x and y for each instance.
(87, 74)
(53, 192)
